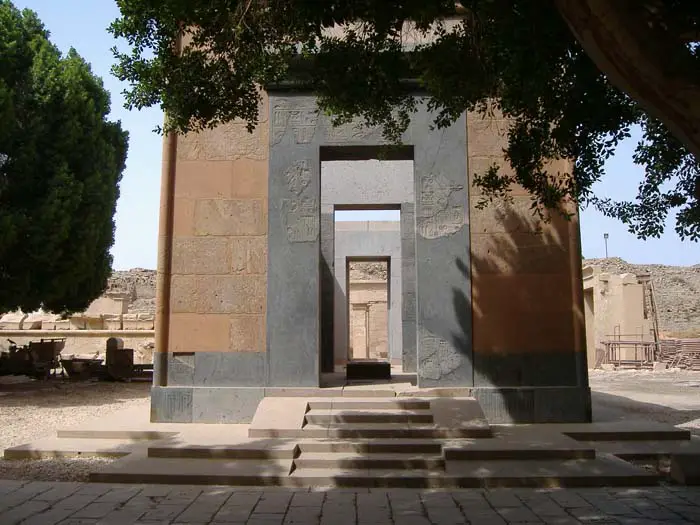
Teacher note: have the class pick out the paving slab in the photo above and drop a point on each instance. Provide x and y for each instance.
(360, 507)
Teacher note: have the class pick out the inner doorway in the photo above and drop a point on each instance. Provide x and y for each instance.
(368, 303)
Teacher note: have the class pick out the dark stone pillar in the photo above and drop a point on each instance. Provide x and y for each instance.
(442, 257)
(294, 262)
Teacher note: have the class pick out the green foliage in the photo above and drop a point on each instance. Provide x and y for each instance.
(60, 166)
(515, 56)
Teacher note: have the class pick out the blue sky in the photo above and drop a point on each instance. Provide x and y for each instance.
(82, 24)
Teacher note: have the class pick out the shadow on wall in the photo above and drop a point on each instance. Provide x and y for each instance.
(524, 313)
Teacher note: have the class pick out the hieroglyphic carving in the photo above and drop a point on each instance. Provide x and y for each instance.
(353, 131)
(437, 358)
(230, 141)
(302, 120)
(301, 219)
(409, 306)
(298, 176)
(439, 211)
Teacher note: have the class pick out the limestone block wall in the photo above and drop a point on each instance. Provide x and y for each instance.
(528, 324)
(369, 325)
(614, 310)
(219, 251)
(212, 275)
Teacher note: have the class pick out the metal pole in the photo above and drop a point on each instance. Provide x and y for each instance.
(605, 236)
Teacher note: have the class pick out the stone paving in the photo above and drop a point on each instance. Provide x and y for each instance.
(50, 503)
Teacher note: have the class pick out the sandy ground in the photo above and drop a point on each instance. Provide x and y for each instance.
(31, 411)
(669, 396)
(34, 410)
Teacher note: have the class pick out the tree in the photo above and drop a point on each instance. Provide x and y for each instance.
(60, 166)
(572, 76)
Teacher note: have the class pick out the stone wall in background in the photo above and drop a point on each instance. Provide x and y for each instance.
(126, 310)
(676, 288)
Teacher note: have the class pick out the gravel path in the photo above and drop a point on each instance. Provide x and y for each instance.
(31, 411)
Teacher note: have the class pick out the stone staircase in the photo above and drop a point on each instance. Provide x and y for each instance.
(382, 442)
(436, 442)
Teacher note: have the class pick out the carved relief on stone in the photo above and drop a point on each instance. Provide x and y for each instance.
(301, 219)
(229, 141)
(298, 176)
(439, 210)
(301, 119)
(353, 131)
(409, 306)
(437, 358)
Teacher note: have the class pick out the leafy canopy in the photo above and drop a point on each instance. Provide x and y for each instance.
(517, 56)
(60, 165)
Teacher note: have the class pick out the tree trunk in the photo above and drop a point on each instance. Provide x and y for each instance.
(651, 66)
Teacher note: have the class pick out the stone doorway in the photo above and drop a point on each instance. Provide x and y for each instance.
(368, 306)
(436, 339)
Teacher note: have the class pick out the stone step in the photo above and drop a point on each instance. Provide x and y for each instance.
(389, 430)
(629, 434)
(518, 453)
(519, 443)
(244, 451)
(341, 416)
(600, 472)
(70, 448)
(371, 403)
(349, 460)
(188, 471)
(134, 435)
(373, 446)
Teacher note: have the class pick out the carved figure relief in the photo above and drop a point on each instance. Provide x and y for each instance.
(440, 210)
(437, 358)
(301, 219)
(298, 176)
(302, 120)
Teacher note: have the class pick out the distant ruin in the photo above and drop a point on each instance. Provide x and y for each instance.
(126, 310)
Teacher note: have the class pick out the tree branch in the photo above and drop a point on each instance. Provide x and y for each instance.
(655, 72)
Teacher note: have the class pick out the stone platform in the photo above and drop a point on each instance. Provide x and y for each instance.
(355, 441)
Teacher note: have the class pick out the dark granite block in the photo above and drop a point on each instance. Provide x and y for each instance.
(180, 369)
(171, 404)
(228, 369)
(368, 369)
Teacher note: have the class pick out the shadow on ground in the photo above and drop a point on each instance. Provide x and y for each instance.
(610, 407)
